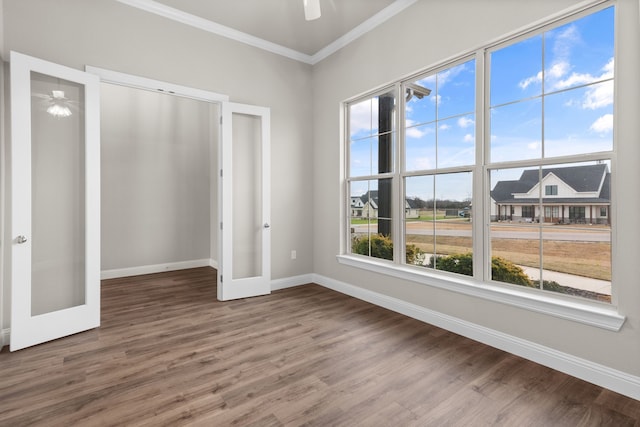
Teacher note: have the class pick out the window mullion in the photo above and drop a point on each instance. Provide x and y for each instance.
(397, 182)
(480, 215)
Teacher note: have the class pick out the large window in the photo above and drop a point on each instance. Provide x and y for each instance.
(521, 197)
(372, 135)
(551, 132)
(439, 156)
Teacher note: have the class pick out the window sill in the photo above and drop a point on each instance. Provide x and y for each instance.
(586, 312)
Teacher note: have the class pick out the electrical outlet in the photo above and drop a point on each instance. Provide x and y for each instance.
(294, 254)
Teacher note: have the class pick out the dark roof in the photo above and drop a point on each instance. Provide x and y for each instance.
(504, 189)
(373, 194)
(413, 203)
(581, 178)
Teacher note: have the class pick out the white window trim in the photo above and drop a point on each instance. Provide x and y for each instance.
(590, 313)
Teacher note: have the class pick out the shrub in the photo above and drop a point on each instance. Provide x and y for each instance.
(382, 247)
(501, 269)
(455, 263)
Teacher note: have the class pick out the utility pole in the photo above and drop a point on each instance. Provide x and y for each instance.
(386, 105)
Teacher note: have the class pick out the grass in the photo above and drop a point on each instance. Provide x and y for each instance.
(586, 259)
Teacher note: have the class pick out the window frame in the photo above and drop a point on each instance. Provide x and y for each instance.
(594, 313)
(395, 88)
(474, 169)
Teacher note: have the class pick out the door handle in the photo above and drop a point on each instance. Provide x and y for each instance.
(266, 225)
(21, 239)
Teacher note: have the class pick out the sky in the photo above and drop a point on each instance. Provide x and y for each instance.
(551, 95)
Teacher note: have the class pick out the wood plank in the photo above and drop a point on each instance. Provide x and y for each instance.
(168, 353)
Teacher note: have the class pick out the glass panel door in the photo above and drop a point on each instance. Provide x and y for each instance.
(55, 286)
(244, 254)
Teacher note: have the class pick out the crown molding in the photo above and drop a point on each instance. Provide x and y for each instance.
(215, 28)
(177, 15)
(379, 18)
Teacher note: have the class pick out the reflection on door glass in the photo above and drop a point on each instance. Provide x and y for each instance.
(57, 194)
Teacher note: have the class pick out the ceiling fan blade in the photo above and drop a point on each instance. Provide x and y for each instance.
(311, 9)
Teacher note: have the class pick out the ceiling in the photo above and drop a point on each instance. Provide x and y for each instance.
(280, 22)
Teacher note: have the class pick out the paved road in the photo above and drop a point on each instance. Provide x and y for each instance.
(574, 236)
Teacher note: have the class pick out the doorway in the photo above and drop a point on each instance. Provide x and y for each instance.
(158, 186)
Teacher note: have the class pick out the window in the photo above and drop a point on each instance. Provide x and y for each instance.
(439, 155)
(543, 155)
(576, 213)
(372, 135)
(551, 117)
(528, 211)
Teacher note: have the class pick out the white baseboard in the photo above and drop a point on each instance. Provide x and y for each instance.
(156, 268)
(4, 337)
(601, 375)
(290, 282)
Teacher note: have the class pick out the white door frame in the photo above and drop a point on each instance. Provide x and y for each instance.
(226, 107)
(144, 83)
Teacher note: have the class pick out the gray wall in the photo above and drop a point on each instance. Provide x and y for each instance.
(156, 169)
(425, 35)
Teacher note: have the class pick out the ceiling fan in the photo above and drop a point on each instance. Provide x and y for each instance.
(311, 9)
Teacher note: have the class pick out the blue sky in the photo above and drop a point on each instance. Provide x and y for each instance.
(571, 65)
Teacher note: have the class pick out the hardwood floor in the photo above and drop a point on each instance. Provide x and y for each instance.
(168, 353)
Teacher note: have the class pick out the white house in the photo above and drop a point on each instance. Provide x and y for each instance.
(366, 206)
(575, 194)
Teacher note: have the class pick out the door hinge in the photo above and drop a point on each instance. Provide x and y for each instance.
(220, 119)
(221, 278)
(220, 226)
(220, 173)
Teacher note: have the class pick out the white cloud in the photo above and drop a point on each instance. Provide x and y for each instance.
(565, 40)
(445, 126)
(465, 122)
(603, 124)
(494, 138)
(533, 145)
(362, 116)
(598, 96)
(417, 132)
(530, 80)
(558, 69)
(608, 69)
(422, 163)
(469, 138)
(436, 99)
(581, 78)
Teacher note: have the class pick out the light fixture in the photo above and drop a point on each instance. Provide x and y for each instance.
(414, 89)
(311, 9)
(59, 104)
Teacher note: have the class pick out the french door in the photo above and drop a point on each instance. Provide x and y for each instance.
(244, 255)
(55, 201)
